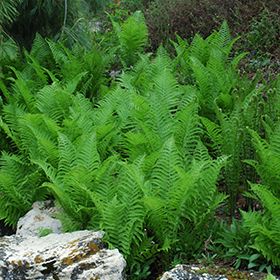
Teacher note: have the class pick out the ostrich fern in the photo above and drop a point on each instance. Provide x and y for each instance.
(136, 162)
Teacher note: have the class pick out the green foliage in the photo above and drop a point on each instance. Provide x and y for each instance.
(133, 36)
(8, 11)
(225, 105)
(264, 227)
(236, 243)
(20, 186)
(270, 277)
(268, 155)
(49, 18)
(141, 155)
(264, 32)
(122, 167)
(44, 232)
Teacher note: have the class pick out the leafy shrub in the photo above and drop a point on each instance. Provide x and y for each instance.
(188, 17)
(264, 32)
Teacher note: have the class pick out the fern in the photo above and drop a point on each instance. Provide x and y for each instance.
(20, 185)
(268, 153)
(139, 157)
(264, 227)
(173, 189)
(132, 36)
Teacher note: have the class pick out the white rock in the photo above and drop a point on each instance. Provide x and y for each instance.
(77, 255)
(41, 218)
(186, 272)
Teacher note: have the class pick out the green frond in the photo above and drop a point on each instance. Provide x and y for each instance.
(67, 155)
(40, 49)
(268, 200)
(187, 131)
(87, 154)
(199, 49)
(130, 185)
(9, 51)
(54, 102)
(113, 215)
(133, 36)
(214, 132)
(159, 118)
(269, 159)
(19, 187)
(222, 39)
(164, 174)
(264, 227)
(60, 54)
(38, 137)
(205, 82)
(22, 91)
(105, 182)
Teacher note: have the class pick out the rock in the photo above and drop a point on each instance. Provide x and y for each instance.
(63, 256)
(198, 272)
(39, 221)
(185, 272)
(76, 255)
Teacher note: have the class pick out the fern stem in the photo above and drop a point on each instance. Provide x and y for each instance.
(65, 16)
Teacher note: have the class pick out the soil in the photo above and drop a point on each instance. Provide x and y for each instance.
(5, 230)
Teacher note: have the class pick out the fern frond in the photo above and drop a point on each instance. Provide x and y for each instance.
(264, 227)
(38, 137)
(199, 49)
(54, 102)
(67, 155)
(133, 36)
(19, 183)
(207, 90)
(40, 49)
(130, 185)
(87, 154)
(165, 173)
(113, 215)
(187, 131)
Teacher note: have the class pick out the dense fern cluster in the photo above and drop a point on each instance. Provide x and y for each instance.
(147, 156)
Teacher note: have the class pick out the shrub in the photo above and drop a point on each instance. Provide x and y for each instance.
(188, 17)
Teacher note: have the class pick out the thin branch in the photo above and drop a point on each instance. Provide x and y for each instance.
(65, 16)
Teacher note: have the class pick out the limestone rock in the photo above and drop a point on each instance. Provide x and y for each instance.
(39, 221)
(185, 272)
(77, 255)
(197, 272)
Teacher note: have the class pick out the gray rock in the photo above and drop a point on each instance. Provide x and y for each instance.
(185, 272)
(194, 272)
(77, 255)
(39, 221)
